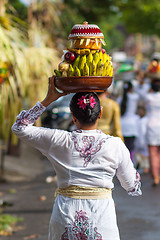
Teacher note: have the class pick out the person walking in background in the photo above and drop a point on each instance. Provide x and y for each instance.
(141, 147)
(109, 122)
(152, 101)
(85, 161)
(128, 105)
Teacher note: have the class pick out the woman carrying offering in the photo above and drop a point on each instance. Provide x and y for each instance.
(85, 162)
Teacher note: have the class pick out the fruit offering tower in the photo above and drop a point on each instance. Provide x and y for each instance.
(85, 57)
(154, 69)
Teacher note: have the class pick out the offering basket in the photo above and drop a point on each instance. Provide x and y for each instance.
(83, 83)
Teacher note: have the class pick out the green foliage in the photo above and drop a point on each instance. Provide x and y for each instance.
(136, 16)
(7, 221)
(102, 12)
(21, 9)
(141, 15)
(91, 10)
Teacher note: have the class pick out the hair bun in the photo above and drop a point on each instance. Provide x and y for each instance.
(89, 111)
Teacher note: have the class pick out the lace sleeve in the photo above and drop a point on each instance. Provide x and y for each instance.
(136, 191)
(27, 118)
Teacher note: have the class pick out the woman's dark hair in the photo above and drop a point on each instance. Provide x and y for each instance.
(88, 115)
(155, 85)
(126, 88)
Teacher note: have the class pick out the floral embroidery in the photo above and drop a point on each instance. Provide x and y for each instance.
(137, 186)
(87, 147)
(26, 118)
(65, 235)
(81, 229)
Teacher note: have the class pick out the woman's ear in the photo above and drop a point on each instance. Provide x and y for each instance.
(100, 115)
(74, 118)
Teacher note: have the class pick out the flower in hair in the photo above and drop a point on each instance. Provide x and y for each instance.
(92, 101)
(82, 102)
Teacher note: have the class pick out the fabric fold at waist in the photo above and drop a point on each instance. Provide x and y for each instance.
(79, 192)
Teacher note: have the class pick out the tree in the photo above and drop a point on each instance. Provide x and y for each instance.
(19, 8)
(22, 77)
(141, 16)
(103, 13)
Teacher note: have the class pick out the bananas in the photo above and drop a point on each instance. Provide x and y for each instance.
(99, 68)
(70, 72)
(80, 51)
(90, 64)
(86, 70)
(77, 72)
(81, 64)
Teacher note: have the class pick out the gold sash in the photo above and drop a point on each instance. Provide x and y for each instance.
(79, 192)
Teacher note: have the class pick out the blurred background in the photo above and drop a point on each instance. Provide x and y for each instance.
(33, 35)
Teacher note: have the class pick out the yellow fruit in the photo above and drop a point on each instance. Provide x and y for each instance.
(99, 68)
(104, 72)
(96, 57)
(84, 51)
(82, 61)
(89, 58)
(93, 68)
(70, 72)
(93, 51)
(86, 70)
(90, 69)
(104, 57)
(111, 71)
(108, 69)
(108, 58)
(64, 74)
(63, 66)
(76, 62)
(100, 55)
(77, 72)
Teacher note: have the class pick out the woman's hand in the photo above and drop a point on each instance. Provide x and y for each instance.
(52, 93)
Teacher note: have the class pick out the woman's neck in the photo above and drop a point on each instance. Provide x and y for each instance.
(87, 127)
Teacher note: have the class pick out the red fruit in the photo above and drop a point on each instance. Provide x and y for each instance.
(103, 50)
(153, 69)
(69, 56)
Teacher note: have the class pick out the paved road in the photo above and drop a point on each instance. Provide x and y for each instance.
(138, 217)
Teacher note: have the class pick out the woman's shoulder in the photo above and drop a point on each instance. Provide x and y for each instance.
(90, 134)
(133, 95)
(59, 134)
(153, 95)
(111, 139)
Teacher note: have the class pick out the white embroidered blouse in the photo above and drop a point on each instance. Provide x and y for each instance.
(82, 157)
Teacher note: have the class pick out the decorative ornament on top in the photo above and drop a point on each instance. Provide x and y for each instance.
(85, 61)
(86, 36)
(154, 69)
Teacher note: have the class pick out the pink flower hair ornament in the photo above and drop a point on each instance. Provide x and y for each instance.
(82, 102)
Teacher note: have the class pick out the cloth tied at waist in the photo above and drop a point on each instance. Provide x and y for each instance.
(79, 192)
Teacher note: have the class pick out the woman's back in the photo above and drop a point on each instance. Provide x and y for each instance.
(132, 101)
(153, 104)
(153, 115)
(85, 162)
(129, 118)
(83, 157)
